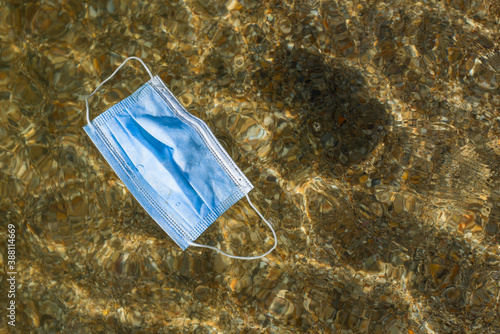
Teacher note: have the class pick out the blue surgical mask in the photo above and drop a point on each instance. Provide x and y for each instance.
(170, 161)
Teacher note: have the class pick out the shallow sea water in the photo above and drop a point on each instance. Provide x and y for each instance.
(369, 129)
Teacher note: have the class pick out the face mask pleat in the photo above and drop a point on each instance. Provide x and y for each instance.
(140, 189)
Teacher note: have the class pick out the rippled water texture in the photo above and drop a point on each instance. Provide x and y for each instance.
(370, 131)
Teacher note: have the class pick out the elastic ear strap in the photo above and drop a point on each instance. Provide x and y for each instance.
(102, 83)
(244, 257)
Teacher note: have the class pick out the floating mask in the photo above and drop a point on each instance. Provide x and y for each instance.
(170, 161)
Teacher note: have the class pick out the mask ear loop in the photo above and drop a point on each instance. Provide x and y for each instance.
(112, 75)
(244, 257)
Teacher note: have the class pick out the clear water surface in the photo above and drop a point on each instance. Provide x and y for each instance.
(370, 130)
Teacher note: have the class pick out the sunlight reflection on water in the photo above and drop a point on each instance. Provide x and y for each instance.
(370, 132)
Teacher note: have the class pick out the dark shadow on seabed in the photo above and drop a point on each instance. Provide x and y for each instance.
(394, 234)
(430, 270)
(370, 244)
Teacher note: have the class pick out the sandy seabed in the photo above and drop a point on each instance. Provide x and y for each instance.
(370, 130)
